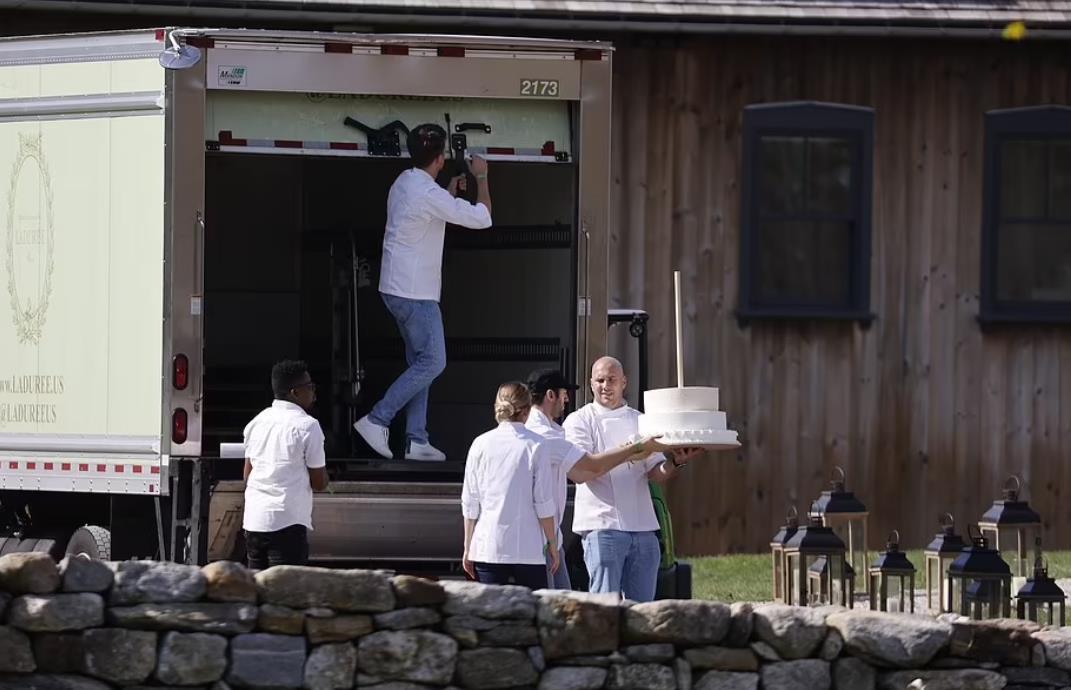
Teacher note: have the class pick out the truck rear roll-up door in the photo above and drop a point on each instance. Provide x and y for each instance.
(314, 124)
(82, 255)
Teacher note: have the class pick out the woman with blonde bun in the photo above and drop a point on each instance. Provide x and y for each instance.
(508, 499)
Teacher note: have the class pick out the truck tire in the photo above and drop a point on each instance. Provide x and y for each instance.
(16, 545)
(49, 546)
(24, 546)
(9, 545)
(93, 541)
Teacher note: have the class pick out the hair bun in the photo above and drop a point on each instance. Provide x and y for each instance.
(512, 398)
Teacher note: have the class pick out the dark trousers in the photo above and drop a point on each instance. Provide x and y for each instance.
(530, 576)
(287, 546)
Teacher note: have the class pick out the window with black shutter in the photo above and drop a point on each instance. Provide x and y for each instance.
(1026, 227)
(805, 236)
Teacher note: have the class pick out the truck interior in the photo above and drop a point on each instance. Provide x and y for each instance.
(292, 255)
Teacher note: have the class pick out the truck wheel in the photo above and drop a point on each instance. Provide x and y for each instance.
(93, 541)
(9, 545)
(49, 546)
(24, 546)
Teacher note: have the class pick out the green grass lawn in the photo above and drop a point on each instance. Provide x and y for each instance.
(747, 577)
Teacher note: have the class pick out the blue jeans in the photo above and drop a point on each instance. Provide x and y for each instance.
(625, 562)
(421, 325)
(560, 579)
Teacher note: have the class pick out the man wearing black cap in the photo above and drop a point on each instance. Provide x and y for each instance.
(550, 395)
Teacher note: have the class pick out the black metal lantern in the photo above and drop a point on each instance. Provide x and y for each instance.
(824, 589)
(815, 548)
(1040, 598)
(892, 579)
(1010, 525)
(979, 582)
(840, 510)
(940, 553)
(777, 553)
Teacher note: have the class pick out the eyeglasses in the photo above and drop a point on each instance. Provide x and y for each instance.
(308, 384)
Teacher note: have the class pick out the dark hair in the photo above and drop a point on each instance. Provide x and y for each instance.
(426, 143)
(285, 375)
(543, 381)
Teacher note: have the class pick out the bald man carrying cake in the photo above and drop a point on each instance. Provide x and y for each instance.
(614, 513)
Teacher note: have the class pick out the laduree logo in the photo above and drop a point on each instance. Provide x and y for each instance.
(29, 244)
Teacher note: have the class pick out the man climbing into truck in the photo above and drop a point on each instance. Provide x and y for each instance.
(410, 284)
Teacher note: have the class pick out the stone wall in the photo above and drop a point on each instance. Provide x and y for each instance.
(86, 625)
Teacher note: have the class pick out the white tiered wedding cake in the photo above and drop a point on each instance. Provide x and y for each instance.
(686, 416)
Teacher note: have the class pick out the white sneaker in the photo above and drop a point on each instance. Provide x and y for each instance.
(424, 452)
(378, 437)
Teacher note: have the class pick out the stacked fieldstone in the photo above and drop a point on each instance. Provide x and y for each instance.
(85, 625)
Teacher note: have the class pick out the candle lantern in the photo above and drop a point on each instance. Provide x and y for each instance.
(1010, 525)
(940, 554)
(1041, 600)
(892, 579)
(777, 553)
(823, 587)
(840, 510)
(815, 548)
(979, 582)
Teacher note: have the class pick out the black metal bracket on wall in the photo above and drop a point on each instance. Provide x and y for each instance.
(472, 126)
(637, 328)
(383, 141)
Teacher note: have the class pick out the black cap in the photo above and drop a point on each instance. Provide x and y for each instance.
(543, 380)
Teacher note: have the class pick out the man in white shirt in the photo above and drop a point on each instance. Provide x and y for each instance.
(614, 513)
(410, 283)
(284, 463)
(550, 394)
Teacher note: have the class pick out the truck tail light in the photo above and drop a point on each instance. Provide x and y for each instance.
(179, 426)
(180, 372)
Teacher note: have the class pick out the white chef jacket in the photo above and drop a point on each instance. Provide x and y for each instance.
(282, 443)
(620, 499)
(509, 485)
(563, 456)
(418, 210)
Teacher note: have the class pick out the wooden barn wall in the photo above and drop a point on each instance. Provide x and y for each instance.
(925, 413)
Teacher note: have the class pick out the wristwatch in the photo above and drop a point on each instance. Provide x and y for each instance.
(676, 464)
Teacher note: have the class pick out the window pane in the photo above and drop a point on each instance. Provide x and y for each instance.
(1034, 262)
(1060, 179)
(781, 174)
(803, 262)
(830, 169)
(1022, 179)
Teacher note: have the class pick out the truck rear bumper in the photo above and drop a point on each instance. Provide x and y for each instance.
(359, 521)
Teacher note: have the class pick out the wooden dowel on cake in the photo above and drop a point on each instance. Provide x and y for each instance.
(680, 340)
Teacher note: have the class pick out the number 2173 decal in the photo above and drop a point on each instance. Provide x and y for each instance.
(539, 87)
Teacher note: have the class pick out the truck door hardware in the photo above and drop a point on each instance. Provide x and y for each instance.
(459, 143)
(383, 141)
(472, 126)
